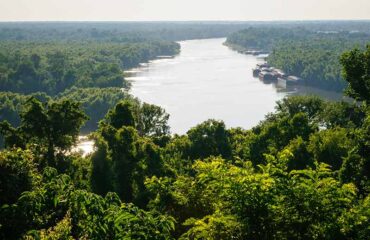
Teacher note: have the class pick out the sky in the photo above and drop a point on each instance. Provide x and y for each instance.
(182, 10)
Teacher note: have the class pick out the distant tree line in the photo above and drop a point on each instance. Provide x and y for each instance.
(119, 32)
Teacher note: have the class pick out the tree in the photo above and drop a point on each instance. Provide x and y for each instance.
(101, 179)
(356, 221)
(275, 133)
(123, 114)
(356, 65)
(300, 157)
(153, 121)
(209, 138)
(356, 71)
(124, 154)
(149, 120)
(311, 105)
(54, 126)
(124, 157)
(331, 146)
(17, 174)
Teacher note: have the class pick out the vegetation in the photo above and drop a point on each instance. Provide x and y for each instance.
(95, 102)
(28, 67)
(310, 54)
(118, 32)
(302, 173)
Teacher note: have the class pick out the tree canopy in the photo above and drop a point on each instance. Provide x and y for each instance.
(301, 173)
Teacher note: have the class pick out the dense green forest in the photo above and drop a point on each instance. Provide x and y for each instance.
(60, 61)
(28, 67)
(302, 173)
(95, 102)
(310, 53)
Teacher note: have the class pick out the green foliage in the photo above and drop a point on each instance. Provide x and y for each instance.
(299, 157)
(356, 167)
(331, 146)
(273, 135)
(53, 127)
(343, 114)
(176, 155)
(12, 104)
(153, 120)
(56, 210)
(313, 106)
(95, 102)
(225, 201)
(211, 227)
(356, 221)
(312, 204)
(209, 138)
(124, 158)
(17, 174)
(273, 181)
(61, 231)
(53, 67)
(302, 173)
(356, 69)
(314, 59)
(149, 120)
(101, 173)
(123, 114)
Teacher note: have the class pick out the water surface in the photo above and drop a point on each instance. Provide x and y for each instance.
(206, 80)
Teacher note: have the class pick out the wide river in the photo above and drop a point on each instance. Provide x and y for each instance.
(207, 80)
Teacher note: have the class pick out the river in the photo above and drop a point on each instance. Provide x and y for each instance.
(208, 80)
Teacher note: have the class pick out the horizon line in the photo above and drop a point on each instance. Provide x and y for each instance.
(181, 21)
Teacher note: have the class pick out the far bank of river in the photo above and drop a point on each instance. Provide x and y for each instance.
(208, 80)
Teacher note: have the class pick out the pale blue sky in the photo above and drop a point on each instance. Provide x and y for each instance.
(137, 10)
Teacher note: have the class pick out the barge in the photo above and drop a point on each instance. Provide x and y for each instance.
(270, 74)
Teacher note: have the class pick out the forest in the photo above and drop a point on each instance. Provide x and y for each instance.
(90, 70)
(28, 67)
(95, 102)
(301, 173)
(117, 32)
(309, 52)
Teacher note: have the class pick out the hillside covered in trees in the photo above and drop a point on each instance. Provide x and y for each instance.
(302, 173)
(311, 52)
